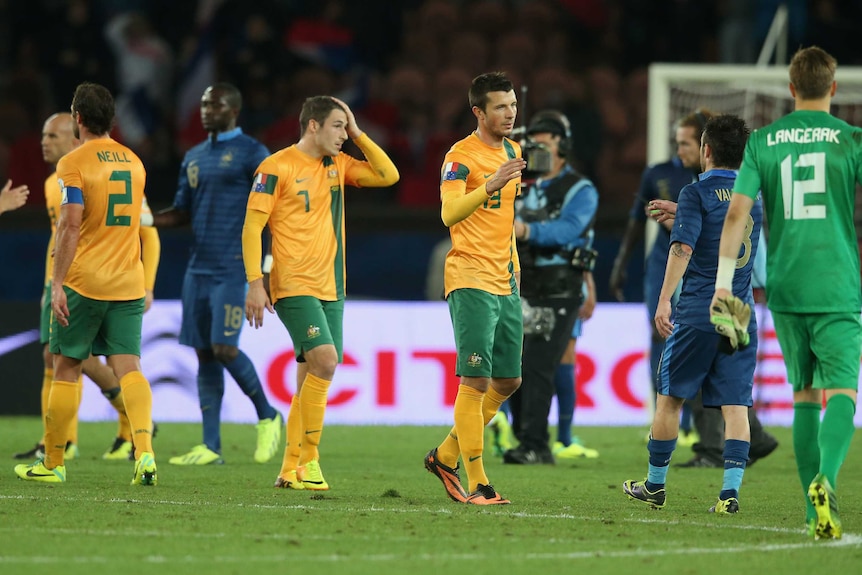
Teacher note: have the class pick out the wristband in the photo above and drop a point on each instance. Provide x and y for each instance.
(267, 264)
(724, 275)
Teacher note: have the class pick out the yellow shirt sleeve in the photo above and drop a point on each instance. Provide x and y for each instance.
(457, 205)
(252, 249)
(380, 171)
(151, 253)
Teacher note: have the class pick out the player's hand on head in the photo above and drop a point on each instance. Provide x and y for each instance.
(352, 128)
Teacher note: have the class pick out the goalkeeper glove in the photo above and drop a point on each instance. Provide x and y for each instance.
(730, 316)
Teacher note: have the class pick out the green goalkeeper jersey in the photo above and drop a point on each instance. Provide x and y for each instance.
(807, 165)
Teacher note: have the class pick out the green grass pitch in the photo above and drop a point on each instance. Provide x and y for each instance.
(386, 514)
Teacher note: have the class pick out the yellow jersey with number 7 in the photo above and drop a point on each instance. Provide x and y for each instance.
(108, 179)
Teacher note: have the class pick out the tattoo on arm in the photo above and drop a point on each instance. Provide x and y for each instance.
(676, 250)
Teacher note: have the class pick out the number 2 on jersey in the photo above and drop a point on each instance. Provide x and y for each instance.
(124, 198)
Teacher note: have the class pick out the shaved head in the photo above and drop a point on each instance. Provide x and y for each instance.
(58, 137)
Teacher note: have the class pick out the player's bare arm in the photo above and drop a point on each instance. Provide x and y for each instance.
(677, 263)
(68, 234)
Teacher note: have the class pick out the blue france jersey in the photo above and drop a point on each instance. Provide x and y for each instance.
(214, 183)
(699, 220)
(660, 182)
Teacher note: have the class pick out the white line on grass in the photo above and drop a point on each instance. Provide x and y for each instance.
(847, 541)
(423, 510)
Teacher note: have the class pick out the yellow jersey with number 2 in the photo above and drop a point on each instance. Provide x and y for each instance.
(108, 179)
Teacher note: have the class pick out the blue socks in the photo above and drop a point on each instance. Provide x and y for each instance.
(242, 370)
(735, 458)
(660, 452)
(564, 382)
(210, 393)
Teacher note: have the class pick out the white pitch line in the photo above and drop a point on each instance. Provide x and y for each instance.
(847, 541)
(729, 524)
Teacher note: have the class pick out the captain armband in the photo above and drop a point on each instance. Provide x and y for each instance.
(584, 259)
(267, 264)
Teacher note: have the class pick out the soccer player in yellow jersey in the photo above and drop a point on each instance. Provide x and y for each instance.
(480, 179)
(97, 289)
(58, 139)
(299, 191)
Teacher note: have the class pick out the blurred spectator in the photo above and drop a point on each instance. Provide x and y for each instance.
(144, 80)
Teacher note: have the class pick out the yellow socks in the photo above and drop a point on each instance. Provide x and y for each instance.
(312, 400)
(293, 437)
(138, 399)
(491, 404)
(47, 378)
(449, 451)
(62, 406)
(470, 429)
(73, 423)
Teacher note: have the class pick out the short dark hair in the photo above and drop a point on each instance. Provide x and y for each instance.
(696, 120)
(485, 83)
(726, 135)
(231, 94)
(316, 108)
(95, 105)
(812, 71)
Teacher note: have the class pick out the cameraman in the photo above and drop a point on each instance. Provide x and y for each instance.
(554, 228)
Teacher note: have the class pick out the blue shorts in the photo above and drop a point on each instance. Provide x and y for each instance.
(691, 361)
(213, 310)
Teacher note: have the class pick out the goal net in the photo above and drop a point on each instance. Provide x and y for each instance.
(758, 94)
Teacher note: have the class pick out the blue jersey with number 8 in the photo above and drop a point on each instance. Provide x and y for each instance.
(698, 224)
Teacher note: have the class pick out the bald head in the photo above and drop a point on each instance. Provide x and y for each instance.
(58, 137)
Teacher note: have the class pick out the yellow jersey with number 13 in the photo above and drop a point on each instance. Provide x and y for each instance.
(483, 254)
(108, 179)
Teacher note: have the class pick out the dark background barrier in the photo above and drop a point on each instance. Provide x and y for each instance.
(20, 357)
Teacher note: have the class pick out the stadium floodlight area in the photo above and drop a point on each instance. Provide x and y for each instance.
(760, 95)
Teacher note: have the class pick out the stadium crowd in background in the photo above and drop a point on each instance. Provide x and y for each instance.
(403, 69)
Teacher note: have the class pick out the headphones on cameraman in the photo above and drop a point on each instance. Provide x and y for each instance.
(553, 122)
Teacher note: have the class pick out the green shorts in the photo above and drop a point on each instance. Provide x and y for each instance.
(98, 327)
(820, 350)
(45, 316)
(489, 333)
(312, 322)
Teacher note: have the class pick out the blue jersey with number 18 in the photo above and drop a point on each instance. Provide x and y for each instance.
(807, 165)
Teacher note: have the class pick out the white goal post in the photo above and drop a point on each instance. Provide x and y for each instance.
(760, 95)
